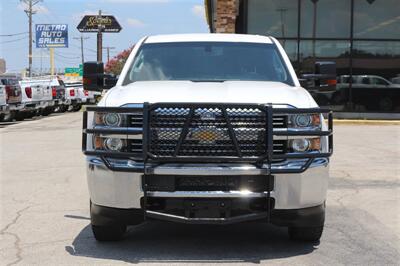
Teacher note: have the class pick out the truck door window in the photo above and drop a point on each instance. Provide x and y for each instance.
(379, 81)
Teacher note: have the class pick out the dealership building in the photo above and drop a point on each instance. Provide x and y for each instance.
(361, 36)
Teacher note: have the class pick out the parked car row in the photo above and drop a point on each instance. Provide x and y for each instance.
(373, 92)
(40, 96)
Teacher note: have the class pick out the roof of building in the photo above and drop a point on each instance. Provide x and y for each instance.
(208, 37)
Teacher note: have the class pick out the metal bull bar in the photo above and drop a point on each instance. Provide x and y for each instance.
(148, 161)
(151, 160)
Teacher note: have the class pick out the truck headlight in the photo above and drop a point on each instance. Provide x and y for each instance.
(302, 120)
(300, 145)
(113, 144)
(112, 119)
(303, 145)
(110, 144)
(109, 119)
(305, 120)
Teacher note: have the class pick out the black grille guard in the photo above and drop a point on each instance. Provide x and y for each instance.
(148, 161)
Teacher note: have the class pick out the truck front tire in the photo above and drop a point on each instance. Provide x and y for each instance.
(108, 233)
(309, 234)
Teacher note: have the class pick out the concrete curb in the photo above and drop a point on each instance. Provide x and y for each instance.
(365, 122)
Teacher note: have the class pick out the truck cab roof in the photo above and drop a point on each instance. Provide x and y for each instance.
(208, 37)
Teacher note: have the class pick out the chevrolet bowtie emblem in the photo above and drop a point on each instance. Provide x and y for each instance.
(204, 135)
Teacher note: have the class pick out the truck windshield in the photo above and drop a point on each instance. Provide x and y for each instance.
(208, 61)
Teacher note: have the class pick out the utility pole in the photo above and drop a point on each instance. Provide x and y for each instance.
(108, 48)
(82, 54)
(100, 27)
(29, 12)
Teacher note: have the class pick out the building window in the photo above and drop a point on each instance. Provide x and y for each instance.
(377, 19)
(273, 17)
(325, 18)
(337, 51)
(290, 47)
(379, 58)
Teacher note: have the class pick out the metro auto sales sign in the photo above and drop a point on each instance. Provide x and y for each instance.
(51, 36)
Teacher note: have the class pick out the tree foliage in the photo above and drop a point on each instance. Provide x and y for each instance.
(115, 65)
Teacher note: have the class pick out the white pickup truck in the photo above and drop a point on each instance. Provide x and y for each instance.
(43, 95)
(73, 96)
(4, 109)
(207, 129)
(36, 96)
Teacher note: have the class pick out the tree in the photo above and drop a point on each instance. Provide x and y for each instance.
(115, 65)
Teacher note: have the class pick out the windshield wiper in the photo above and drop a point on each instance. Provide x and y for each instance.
(208, 80)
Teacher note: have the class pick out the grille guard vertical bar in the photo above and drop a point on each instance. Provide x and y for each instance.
(231, 132)
(145, 144)
(269, 143)
(184, 132)
(84, 135)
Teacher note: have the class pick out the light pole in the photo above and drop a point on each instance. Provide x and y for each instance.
(282, 12)
(314, 32)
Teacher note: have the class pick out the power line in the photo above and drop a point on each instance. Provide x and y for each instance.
(86, 49)
(15, 40)
(67, 57)
(14, 34)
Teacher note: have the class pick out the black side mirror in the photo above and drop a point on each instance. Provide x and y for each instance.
(94, 78)
(323, 80)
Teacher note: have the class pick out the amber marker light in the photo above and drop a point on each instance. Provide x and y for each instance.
(98, 143)
(315, 144)
(316, 120)
(99, 118)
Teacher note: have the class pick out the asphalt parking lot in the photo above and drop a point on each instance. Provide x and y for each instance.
(45, 208)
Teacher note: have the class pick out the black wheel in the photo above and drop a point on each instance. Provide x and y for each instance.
(385, 104)
(108, 233)
(311, 234)
(77, 107)
(337, 98)
(19, 116)
(61, 109)
(46, 112)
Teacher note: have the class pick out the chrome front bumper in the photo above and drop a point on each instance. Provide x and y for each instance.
(124, 189)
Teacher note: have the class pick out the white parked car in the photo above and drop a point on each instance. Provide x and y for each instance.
(207, 129)
(4, 109)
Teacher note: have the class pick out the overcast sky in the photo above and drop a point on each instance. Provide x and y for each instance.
(137, 17)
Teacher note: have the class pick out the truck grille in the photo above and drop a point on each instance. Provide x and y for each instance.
(211, 132)
(135, 120)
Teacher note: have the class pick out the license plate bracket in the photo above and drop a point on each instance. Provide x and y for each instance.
(205, 208)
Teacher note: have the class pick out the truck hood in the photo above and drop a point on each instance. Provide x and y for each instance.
(226, 92)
